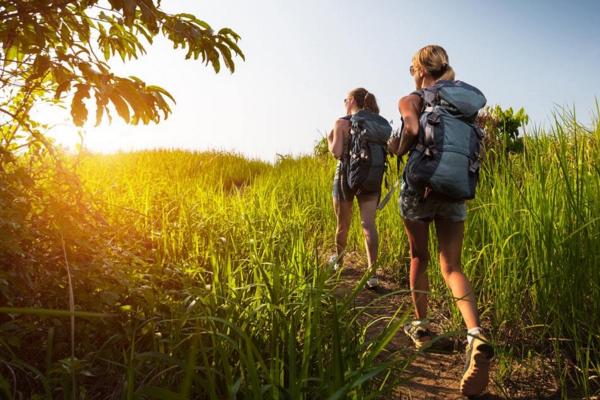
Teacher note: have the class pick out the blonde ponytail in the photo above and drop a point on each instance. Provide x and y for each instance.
(433, 60)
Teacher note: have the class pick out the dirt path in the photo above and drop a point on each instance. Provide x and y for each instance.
(433, 375)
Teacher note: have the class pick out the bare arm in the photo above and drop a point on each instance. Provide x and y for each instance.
(410, 109)
(335, 139)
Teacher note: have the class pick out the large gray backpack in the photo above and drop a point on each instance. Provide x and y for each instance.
(365, 162)
(445, 161)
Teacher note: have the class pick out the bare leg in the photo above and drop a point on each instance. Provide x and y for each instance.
(343, 214)
(368, 210)
(450, 238)
(418, 233)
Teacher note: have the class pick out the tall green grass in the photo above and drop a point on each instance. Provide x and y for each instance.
(532, 250)
(534, 236)
(216, 289)
(215, 278)
(531, 245)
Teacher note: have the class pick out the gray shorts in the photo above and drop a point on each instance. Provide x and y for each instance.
(414, 207)
(342, 192)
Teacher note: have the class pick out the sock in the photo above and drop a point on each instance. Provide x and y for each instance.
(473, 332)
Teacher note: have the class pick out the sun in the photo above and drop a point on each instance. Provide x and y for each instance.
(108, 137)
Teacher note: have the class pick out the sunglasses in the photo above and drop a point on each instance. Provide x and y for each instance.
(411, 70)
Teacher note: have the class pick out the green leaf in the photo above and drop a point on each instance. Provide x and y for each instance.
(120, 105)
(129, 7)
(79, 111)
(161, 91)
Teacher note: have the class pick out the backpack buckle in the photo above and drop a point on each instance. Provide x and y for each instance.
(433, 118)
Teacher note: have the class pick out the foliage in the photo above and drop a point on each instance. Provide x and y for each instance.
(55, 50)
(321, 149)
(502, 129)
(211, 274)
(534, 237)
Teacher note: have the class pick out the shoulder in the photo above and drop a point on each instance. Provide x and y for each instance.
(343, 122)
(413, 100)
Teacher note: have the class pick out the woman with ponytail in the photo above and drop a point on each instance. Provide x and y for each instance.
(430, 67)
(359, 105)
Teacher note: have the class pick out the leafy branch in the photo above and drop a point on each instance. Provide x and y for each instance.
(63, 47)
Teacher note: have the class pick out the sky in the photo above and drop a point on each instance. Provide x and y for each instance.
(302, 58)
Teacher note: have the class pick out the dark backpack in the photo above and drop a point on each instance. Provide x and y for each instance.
(366, 158)
(445, 160)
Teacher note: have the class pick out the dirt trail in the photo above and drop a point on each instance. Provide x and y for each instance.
(432, 375)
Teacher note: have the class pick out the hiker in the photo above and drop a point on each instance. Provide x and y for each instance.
(439, 129)
(359, 142)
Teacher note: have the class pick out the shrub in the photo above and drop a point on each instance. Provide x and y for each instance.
(321, 148)
(502, 129)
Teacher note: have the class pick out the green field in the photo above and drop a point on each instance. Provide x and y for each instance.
(211, 270)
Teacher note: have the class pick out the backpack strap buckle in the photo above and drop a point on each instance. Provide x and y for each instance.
(428, 151)
(474, 166)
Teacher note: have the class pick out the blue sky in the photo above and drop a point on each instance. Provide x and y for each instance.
(303, 57)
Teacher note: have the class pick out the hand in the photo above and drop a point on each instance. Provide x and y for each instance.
(393, 144)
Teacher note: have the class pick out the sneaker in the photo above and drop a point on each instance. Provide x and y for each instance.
(333, 261)
(477, 367)
(372, 283)
(419, 333)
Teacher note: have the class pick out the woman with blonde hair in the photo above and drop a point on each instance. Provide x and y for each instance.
(362, 118)
(432, 115)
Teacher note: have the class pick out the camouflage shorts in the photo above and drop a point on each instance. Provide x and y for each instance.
(414, 207)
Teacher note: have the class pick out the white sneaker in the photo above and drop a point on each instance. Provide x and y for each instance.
(419, 332)
(333, 261)
(372, 283)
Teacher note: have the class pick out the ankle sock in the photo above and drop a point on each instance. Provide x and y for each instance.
(471, 333)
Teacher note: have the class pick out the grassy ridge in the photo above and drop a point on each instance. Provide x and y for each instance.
(213, 274)
(212, 266)
(531, 246)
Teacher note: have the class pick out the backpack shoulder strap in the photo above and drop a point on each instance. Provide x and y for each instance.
(425, 139)
(431, 99)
